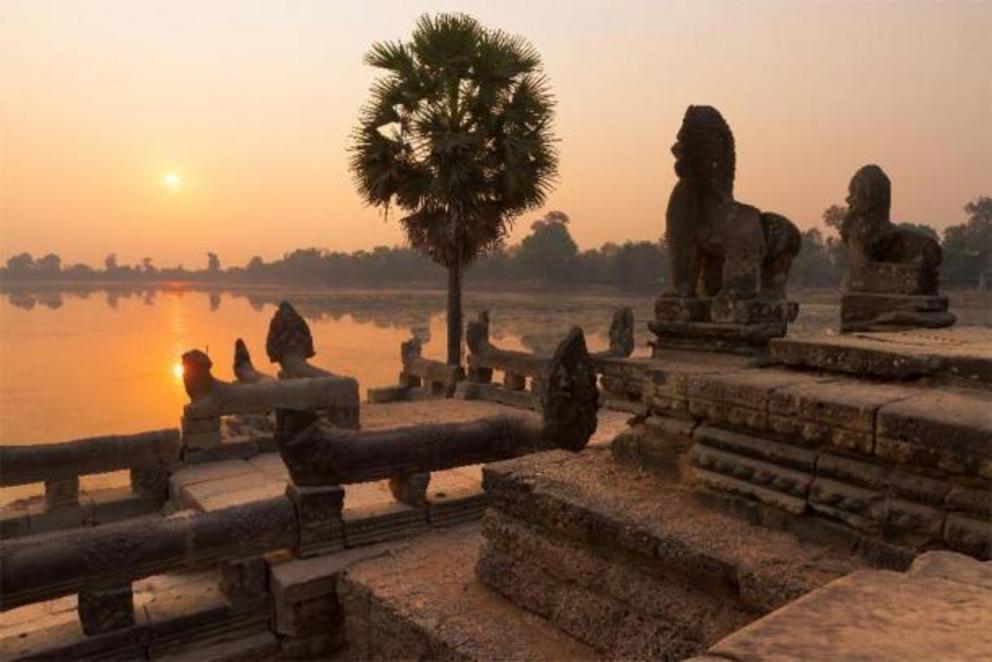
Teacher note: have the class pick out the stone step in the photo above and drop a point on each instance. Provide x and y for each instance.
(423, 602)
(632, 565)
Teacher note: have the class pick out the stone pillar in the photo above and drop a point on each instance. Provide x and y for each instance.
(151, 481)
(480, 375)
(242, 580)
(105, 609)
(62, 493)
(514, 382)
(411, 489)
(200, 433)
(318, 513)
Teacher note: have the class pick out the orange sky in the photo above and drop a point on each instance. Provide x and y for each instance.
(251, 103)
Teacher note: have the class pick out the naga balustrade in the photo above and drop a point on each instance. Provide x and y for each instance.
(210, 399)
(419, 377)
(518, 366)
(100, 563)
(59, 466)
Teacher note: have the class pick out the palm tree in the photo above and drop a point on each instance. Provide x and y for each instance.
(457, 134)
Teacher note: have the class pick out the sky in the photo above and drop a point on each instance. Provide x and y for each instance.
(251, 104)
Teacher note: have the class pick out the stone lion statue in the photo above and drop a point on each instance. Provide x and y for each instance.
(872, 238)
(719, 246)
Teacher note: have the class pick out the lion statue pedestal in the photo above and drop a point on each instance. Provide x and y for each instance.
(730, 262)
(892, 280)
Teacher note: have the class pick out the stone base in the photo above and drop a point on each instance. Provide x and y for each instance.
(629, 564)
(745, 339)
(893, 278)
(887, 312)
(740, 326)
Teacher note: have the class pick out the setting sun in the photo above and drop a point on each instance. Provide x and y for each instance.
(177, 371)
(171, 180)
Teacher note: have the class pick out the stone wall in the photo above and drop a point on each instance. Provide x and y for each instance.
(889, 468)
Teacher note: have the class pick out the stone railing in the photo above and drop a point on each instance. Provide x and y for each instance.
(100, 564)
(420, 377)
(518, 367)
(336, 398)
(59, 466)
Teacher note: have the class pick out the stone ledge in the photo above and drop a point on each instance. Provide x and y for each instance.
(423, 602)
(941, 609)
(961, 356)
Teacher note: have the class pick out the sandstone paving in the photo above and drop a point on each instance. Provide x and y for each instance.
(940, 610)
(423, 602)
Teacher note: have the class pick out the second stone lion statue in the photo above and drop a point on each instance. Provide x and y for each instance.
(720, 246)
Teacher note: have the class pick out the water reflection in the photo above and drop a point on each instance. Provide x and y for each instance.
(85, 361)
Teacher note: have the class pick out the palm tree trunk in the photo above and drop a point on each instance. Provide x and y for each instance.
(455, 313)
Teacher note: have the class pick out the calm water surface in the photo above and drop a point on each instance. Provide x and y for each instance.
(83, 363)
(89, 361)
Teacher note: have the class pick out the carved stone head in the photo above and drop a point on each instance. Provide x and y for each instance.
(289, 335)
(705, 147)
(196, 374)
(870, 193)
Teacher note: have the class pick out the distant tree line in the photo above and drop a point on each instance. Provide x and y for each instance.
(548, 256)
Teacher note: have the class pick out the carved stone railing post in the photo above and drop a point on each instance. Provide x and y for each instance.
(243, 580)
(62, 493)
(200, 429)
(514, 382)
(152, 481)
(106, 608)
(319, 520)
(477, 339)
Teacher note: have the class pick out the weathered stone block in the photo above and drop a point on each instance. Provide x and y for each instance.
(685, 309)
(880, 312)
(946, 429)
(244, 579)
(972, 496)
(969, 535)
(195, 425)
(742, 339)
(514, 382)
(201, 440)
(764, 474)
(104, 609)
(748, 311)
(725, 484)
(858, 507)
(837, 403)
(151, 481)
(62, 493)
(411, 489)
(893, 278)
(914, 485)
(756, 447)
(849, 470)
(319, 521)
(911, 523)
